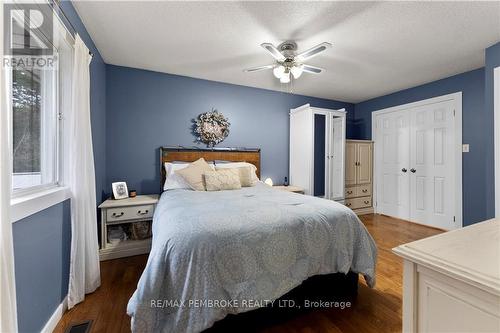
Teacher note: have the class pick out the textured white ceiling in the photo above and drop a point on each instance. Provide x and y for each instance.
(378, 47)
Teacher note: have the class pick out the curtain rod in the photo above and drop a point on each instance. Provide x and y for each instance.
(55, 6)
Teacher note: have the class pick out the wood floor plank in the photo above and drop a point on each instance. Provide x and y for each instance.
(374, 310)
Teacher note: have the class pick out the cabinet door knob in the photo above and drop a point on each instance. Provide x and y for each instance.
(413, 170)
(404, 170)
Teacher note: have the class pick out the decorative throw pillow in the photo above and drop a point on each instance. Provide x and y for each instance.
(173, 180)
(227, 179)
(193, 174)
(231, 165)
(246, 178)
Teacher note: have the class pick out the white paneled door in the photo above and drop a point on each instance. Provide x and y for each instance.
(393, 164)
(432, 173)
(416, 165)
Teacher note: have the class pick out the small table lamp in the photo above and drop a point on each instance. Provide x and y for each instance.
(269, 181)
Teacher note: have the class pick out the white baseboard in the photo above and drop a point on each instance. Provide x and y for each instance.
(56, 316)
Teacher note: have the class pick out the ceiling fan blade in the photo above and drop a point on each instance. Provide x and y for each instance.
(273, 51)
(260, 68)
(312, 52)
(311, 69)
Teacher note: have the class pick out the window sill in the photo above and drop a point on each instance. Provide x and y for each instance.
(27, 205)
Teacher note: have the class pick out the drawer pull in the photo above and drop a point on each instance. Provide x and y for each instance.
(364, 191)
(349, 192)
(348, 204)
(118, 215)
(366, 202)
(140, 212)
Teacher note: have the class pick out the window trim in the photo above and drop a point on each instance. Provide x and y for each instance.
(35, 202)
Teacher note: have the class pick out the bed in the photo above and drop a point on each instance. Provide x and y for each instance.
(229, 252)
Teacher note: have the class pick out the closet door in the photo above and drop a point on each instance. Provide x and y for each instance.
(432, 165)
(393, 164)
(364, 168)
(336, 163)
(350, 163)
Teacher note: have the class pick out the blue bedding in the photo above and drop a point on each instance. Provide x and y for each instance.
(216, 253)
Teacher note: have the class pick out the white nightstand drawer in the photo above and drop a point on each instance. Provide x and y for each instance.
(130, 213)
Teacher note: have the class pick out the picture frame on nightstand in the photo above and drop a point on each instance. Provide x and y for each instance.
(120, 190)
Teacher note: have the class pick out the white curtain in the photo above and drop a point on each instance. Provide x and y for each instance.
(84, 274)
(8, 310)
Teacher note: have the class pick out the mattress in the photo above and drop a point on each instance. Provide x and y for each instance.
(227, 252)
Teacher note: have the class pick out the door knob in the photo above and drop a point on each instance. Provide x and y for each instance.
(404, 170)
(413, 170)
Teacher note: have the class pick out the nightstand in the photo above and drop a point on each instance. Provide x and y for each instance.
(125, 211)
(290, 188)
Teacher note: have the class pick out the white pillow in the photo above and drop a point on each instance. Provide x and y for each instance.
(233, 165)
(174, 181)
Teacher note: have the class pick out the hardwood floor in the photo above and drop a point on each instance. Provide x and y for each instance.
(375, 310)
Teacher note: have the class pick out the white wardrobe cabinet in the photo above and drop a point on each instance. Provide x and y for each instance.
(317, 151)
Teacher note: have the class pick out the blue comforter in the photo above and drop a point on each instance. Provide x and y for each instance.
(216, 253)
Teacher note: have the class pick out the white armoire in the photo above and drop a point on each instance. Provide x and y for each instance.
(317, 151)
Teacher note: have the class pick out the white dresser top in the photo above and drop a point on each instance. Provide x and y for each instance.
(470, 254)
(147, 199)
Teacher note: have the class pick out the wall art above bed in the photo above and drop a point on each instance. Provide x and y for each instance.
(211, 128)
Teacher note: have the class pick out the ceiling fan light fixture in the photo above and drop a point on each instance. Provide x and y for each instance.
(288, 64)
(296, 71)
(278, 71)
(285, 77)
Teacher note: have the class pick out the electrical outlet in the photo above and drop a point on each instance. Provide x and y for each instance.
(465, 148)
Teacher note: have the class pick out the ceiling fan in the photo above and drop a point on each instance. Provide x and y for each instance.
(288, 62)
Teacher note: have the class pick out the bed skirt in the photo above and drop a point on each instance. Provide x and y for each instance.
(313, 293)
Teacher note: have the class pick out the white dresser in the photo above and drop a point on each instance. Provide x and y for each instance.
(451, 282)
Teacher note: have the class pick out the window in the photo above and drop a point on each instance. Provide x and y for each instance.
(35, 135)
(40, 98)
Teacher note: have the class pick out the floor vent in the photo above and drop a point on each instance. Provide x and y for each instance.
(83, 327)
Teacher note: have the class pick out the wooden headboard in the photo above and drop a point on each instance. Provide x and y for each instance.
(171, 154)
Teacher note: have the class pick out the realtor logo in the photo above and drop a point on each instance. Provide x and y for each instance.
(28, 29)
(28, 39)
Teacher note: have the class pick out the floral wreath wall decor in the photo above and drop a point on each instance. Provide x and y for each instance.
(211, 128)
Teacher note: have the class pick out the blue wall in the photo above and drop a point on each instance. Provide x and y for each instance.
(41, 255)
(150, 109)
(476, 131)
(492, 60)
(42, 241)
